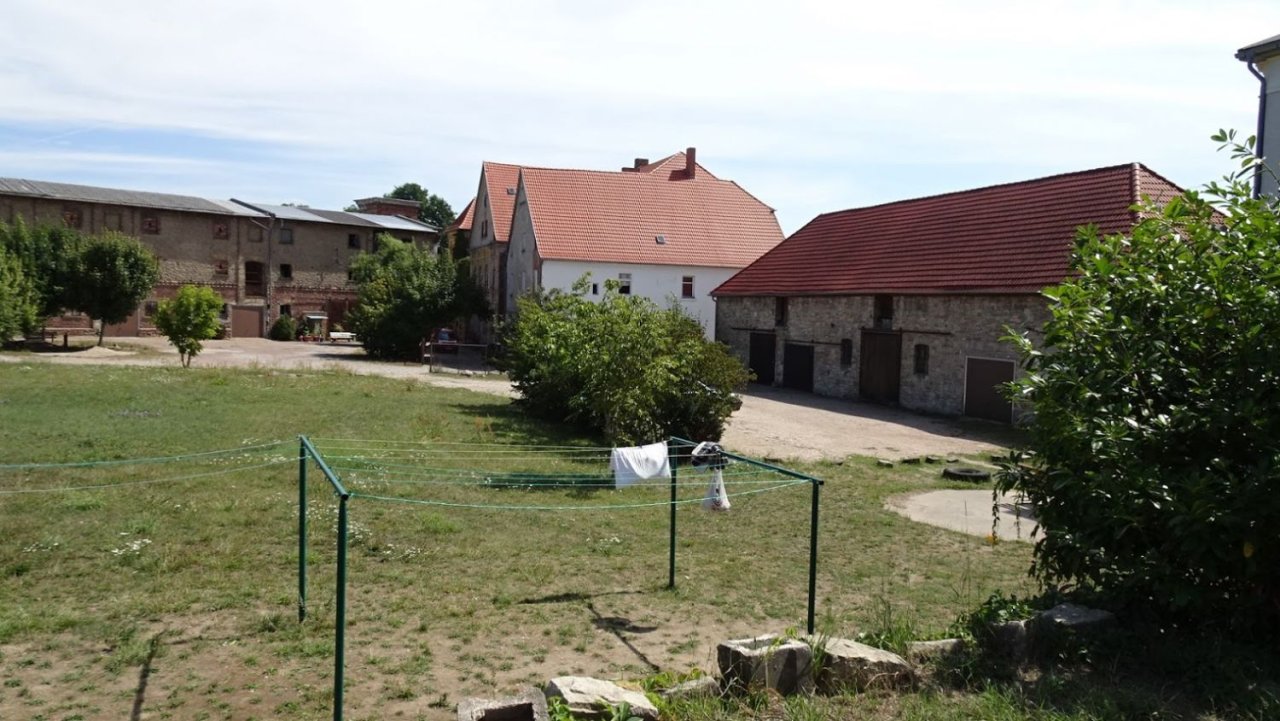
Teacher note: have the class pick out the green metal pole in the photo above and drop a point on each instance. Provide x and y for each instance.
(302, 532)
(340, 622)
(671, 459)
(813, 553)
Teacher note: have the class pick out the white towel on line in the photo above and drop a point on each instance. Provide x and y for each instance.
(639, 463)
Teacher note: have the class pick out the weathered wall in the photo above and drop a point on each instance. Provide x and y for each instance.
(953, 327)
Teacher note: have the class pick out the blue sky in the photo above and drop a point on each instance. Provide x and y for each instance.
(811, 106)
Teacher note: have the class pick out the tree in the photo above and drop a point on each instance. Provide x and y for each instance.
(50, 257)
(623, 366)
(1156, 433)
(404, 293)
(431, 208)
(114, 275)
(18, 298)
(190, 318)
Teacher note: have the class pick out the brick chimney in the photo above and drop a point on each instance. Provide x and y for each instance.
(388, 206)
(690, 163)
(639, 163)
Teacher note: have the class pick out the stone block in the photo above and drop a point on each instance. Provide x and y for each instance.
(766, 662)
(528, 706)
(847, 664)
(587, 698)
(931, 650)
(704, 687)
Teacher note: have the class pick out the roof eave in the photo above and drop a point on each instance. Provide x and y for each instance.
(1260, 50)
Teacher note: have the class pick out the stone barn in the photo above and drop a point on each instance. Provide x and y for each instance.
(906, 303)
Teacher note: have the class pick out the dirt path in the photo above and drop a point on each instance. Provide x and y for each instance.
(772, 422)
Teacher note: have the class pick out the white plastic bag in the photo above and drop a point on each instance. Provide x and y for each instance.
(717, 499)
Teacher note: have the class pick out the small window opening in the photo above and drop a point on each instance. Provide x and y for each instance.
(846, 352)
(353, 241)
(922, 359)
(883, 312)
(624, 283)
(686, 287)
(286, 270)
(779, 311)
(286, 236)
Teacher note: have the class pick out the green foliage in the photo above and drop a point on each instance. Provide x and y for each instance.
(18, 298)
(283, 329)
(405, 293)
(50, 258)
(189, 318)
(1157, 410)
(622, 366)
(431, 208)
(114, 275)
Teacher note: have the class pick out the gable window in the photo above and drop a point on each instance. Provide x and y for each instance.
(253, 277)
(883, 319)
(484, 228)
(151, 224)
(624, 284)
(686, 286)
(780, 311)
(286, 236)
(221, 231)
(922, 359)
(353, 240)
(846, 352)
(71, 217)
(286, 270)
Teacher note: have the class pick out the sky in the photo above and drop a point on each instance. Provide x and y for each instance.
(810, 106)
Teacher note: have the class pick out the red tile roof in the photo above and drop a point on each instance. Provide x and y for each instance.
(1014, 238)
(463, 221)
(617, 216)
(498, 177)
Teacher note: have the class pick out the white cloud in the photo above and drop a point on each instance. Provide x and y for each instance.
(799, 98)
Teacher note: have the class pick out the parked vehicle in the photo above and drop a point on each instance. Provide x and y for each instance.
(444, 340)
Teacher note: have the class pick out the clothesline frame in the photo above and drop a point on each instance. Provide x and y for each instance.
(308, 453)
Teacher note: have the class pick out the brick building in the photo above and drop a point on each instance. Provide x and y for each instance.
(905, 303)
(264, 260)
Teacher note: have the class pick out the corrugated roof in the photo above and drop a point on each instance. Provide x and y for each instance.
(396, 222)
(117, 196)
(1014, 238)
(342, 216)
(498, 177)
(290, 212)
(619, 217)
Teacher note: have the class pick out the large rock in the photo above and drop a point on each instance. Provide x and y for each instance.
(528, 706)
(766, 662)
(930, 650)
(847, 664)
(703, 687)
(587, 697)
(1070, 616)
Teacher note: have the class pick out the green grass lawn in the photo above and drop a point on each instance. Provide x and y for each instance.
(172, 591)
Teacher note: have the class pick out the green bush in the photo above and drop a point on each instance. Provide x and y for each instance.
(190, 318)
(622, 366)
(1157, 412)
(405, 293)
(283, 329)
(19, 300)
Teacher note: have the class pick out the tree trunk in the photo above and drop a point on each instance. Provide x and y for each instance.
(102, 330)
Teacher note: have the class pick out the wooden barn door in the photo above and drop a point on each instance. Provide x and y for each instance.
(760, 358)
(246, 321)
(797, 367)
(880, 369)
(983, 397)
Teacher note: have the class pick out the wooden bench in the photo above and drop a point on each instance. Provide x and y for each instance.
(341, 335)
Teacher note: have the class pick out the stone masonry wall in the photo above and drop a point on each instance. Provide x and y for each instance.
(953, 327)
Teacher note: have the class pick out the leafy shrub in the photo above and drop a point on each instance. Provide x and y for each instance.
(1157, 411)
(404, 293)
(283, 329)
(188, 319)
(622, 366)
(18, 298)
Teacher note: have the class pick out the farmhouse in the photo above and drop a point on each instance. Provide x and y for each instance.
(264, 260)
(669, 231)
(905, 303)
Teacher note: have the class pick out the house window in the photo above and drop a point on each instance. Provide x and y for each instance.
(72, 218)
(922, 359)
(151, 224)
(221, 267)
(253, 277)
(624, 284)
(595, 289)
(686, 286)
(286, 236)
(353, 240)
(286, 270)
(883, 319)
(255, 234)
(149, 308)
(484, 228)
(351, 274)
(221, 231)
(286, 310)
(779, 311)
(846, 352)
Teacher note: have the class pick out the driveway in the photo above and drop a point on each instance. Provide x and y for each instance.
(772, 422)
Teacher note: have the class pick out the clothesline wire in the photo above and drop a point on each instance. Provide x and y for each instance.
(139, 461)
(535, 483)
(603, 507)
(466, 477)
(148, 481)
(383, 463)
(459, 443)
